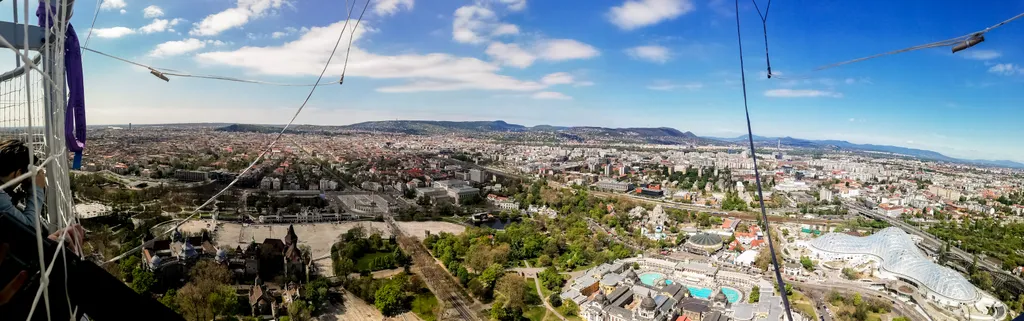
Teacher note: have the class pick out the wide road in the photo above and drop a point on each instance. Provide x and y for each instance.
(928, 238)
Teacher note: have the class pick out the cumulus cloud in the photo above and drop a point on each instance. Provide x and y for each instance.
(235, 17)
(801, 93)
(514, 5)
(174, 48)
(113, 4)
(115, 32)
(550, 95)
(655, 54)
(558, 78)
(515, 55)
(476, 24)
(390, 7)
(565, 49)
(505, 29)
(160, 25)
(981, 54)
(1006, 69)
(510, 55)
(306, 56)
(152, 12)
(288, 31)
(635, 14)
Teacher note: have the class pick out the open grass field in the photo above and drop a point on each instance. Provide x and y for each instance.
(366, 261)
(423, 306)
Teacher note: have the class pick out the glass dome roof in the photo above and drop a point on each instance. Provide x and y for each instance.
(898, 255)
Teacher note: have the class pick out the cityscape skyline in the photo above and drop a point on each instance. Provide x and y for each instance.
(665, 63)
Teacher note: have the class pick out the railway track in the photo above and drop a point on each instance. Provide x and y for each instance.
(442, 284)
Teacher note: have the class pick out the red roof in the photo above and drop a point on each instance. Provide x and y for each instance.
(756, 243)
(683, 318)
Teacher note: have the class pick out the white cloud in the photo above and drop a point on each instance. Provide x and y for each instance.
(667, 85)
(474, 24)
(234, 17)
(160, 25)
(799, 93)
(514, 5)
(583, 84)
(115, 32)
(850, 81)
(390, 7)
(548, 50)
(174, 48)
(981, 54)
(420, 72)
(550, 95)
(853, 119)
(1007, 69)
(288, 31)
(152, 12)
(641, 13)
(655, 54)
(510, 55)
(113, 4)
(505, 29)
(558, 78)
(565, 49)
(124, 11)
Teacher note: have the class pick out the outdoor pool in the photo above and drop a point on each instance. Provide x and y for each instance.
(650, 278)
(702, 293)
(731, 294)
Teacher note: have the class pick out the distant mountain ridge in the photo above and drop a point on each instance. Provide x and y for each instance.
(642, 135)
(842, 144)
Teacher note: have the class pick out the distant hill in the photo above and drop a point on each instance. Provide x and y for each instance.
(660, 135)
(643, 135)
(426, 127)
(248, 128)
(845, 145)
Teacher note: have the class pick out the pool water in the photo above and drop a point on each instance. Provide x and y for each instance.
(650, 277)
(731, 294)
(702, 293)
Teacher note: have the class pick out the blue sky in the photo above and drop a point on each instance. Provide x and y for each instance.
(613, 63)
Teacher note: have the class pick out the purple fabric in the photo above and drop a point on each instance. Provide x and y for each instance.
(74, 115)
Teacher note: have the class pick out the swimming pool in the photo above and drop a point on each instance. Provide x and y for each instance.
(702, 293)
(650, 277)
(731, 294)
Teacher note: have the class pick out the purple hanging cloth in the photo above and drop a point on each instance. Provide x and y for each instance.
(74, 115)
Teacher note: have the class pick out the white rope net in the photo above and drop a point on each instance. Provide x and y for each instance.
(32, 105)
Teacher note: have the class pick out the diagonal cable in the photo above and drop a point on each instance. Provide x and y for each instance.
(757, 174)
(942, 43)
(276, 139)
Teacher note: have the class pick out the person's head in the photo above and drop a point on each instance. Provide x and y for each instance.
(13, 159)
